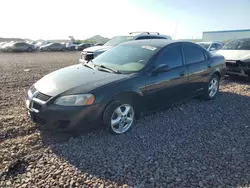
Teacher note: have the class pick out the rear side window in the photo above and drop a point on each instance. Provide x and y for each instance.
(171, 56)
(193, 54)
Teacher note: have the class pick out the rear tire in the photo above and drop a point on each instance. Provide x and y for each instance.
(212, 88)
(119, 117)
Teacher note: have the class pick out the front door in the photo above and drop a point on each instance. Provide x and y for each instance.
(166, 87)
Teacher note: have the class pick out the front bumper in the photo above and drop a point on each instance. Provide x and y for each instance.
(238, 68)
(51, 116)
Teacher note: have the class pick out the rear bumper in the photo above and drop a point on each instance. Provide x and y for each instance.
(57, 117)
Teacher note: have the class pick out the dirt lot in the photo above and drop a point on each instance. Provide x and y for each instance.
(196, 144)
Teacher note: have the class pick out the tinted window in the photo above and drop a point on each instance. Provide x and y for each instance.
(159, 37)
(193, 54)
(170, 56)
(144, 37)
(20, 44)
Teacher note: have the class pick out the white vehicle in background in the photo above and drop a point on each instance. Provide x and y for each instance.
(237, 55)
(40, 43)
(94, 51)
(211, 46)
(5, 45)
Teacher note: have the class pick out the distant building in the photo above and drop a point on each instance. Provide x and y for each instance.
(225, 35)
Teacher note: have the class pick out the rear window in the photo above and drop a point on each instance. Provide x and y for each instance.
(118, 40)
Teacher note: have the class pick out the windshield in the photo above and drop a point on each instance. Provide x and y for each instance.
(126, 58)
(204, 45)
(238, 45)
(118, 40)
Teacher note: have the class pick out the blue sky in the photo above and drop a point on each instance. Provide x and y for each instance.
(57, 19)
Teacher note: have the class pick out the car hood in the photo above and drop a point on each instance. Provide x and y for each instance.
(79, 78)
(235, 54)
(97, 48)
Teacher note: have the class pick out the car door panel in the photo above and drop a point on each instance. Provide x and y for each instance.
(197, 65)
(165, 88)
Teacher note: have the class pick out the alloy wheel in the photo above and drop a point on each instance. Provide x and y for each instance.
(213, 87)
(122, 118)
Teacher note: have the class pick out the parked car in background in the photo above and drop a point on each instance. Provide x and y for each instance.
(82, 46)
(115, 88)
(41, 43)
(97, 44)
(211, 46)
(2, 43)
(18, 47)
(237, 55)
(72, 46)
(94, 51)
(53, 47)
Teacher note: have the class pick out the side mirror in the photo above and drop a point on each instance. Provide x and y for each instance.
(212, 49)
(159, 69)
(88, 57)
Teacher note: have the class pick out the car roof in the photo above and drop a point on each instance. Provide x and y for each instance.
(159, 43)
(145, 33)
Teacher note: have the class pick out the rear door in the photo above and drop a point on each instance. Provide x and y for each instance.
(166, 87)
(198, 65)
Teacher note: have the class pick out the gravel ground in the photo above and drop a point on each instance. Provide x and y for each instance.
(194, 144)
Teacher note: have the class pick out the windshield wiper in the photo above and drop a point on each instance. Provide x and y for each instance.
(87, 64)
(102, 67)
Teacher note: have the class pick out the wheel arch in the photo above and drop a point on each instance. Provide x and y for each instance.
(132, 97)
(215, 72)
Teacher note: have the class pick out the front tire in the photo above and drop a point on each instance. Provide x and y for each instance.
(119, 117)
(212, 88)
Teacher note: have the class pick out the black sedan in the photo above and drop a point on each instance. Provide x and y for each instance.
(124, 82)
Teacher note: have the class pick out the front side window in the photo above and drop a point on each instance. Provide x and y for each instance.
(118, 40)
(126, 58)
(193, 54)
(171, 56)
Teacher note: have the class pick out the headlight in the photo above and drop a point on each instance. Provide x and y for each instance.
(75, 100)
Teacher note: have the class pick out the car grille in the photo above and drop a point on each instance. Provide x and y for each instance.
(39, 95)
(42, 97)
